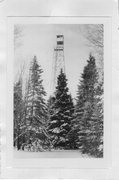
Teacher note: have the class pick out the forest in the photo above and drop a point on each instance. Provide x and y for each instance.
(59, 123)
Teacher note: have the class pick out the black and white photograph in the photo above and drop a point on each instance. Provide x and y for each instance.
(58, 89)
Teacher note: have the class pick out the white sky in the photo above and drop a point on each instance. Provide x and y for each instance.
(40, 40)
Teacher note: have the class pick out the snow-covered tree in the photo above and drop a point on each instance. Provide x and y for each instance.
(99, 110)
(50, 106)
(61, 114)
(89, 110)
(72, 134)
(36, 110)
(18, 113)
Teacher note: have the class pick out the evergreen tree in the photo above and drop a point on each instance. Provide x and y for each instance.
(98, 114)
(72, 134)
(18, 114)
(36, 110)
(89, 110)
(61, 114)
(50, 105)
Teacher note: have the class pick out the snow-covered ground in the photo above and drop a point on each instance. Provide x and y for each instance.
(51, 154)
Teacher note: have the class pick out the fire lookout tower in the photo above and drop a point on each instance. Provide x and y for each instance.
(59, 62)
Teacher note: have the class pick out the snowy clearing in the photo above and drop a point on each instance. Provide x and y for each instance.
(51, 154)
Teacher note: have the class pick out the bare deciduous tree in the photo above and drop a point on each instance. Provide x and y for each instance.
(18, 33)
(94, 34)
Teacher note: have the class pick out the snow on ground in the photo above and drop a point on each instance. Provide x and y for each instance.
(51, 154)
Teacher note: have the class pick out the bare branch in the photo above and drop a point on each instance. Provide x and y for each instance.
(18, 33)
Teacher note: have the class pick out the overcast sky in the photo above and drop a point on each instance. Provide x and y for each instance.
(40, 40)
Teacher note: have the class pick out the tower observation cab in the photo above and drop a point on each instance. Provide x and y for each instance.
(60, 41)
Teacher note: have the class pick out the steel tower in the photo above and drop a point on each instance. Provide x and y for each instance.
(59, 62)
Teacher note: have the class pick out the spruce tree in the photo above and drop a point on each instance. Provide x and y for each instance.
(61, 114)
(36, 109)
(89, 113)
(72, 134)
(18, 114)
(97, 149)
